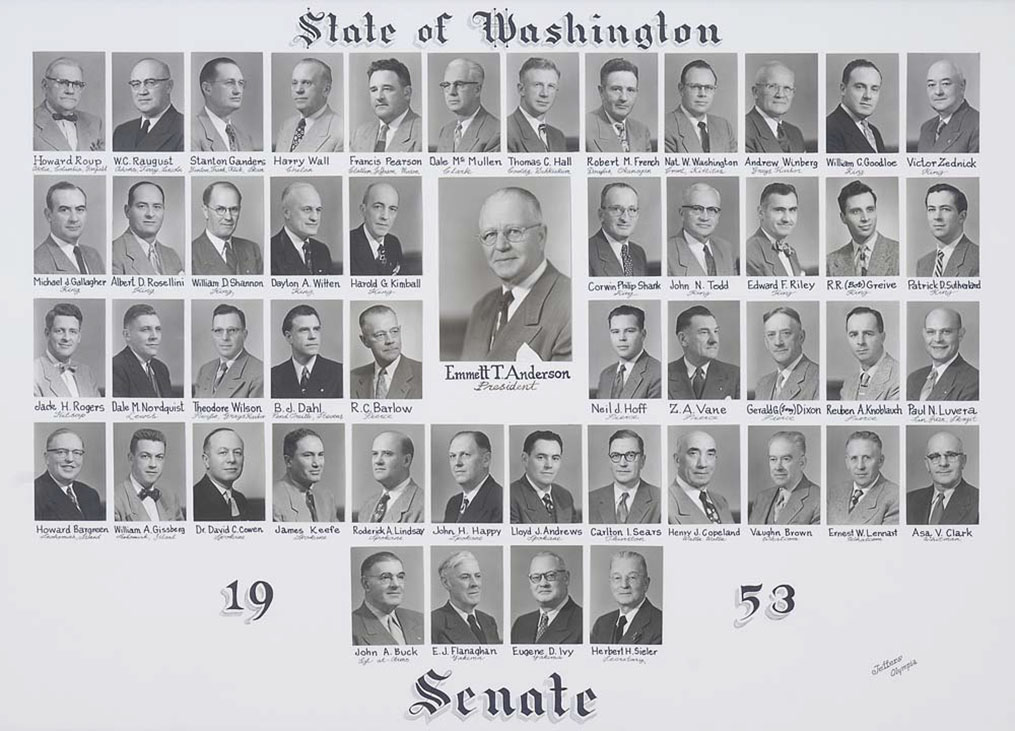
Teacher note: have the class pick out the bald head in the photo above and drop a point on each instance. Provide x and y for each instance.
(945, 460)
(942, 334)
(379, 209)
(946, 87)
(696, 456)
(302, 209)
(463, 87)
(774, 86)
(151, 86)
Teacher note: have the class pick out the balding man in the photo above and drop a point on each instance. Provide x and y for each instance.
(949, 500)
(557, 620)
(294, 250)
(59, 495)
(949, 377)
(764, 128)
(473, 129)
(138, 249)
(694, 251)
(373, 250)
(956, 125)
(215, 497)
(390, 374)
(690, 500)
(612, 253)
(160, 126)
(315, 127)
(58, 124)
(399, 499)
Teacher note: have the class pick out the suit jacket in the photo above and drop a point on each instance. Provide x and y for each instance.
(526, 507)
(962, 509)
(758, 136)
(842, 134)
(50, 259)
(326, 134)
(961, 134)
(47, 137)
(289, 504)
(646, 507)
(130, 380)
(645, 629)
(679, 134)
(884, 259)
(880, 506)
(680, 262)
(405, 383)
(209, 505)
(48, 382)
(206, 260)
(482, 134)
(522, 138)
(205, 138)
(964, 261)
(542, 322)
(565, 629)
(487, 505)
(600, 136)
(604, 263)
(448, 628)
(129, 258)
(286, 260)
(763, 261)
(407, 136)
(52, 503)
(802, 508)
(361, 258)
(959, 382)
(368, 630)
(884, 385)
(325, 380)
(408, 508)
(128, 506)
(644, 381)
(165, 136)
(244, 379)
(683, 510)
(802, 384)
(722, 381)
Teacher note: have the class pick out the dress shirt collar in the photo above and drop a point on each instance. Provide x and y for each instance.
(144, 363)
(219, 244)
(855, 119)
(874, 366)
(56, 361)
(223, 490)
(551, 614)
(866, 244)
(395, 123)
(390, 368)
(785, 372)
(865, 490)
(534, 122)
(789, 490)
(691, 368)
(470, 494)
(299, 367)
(629, 363)
(618, 491)
(297, 242)
(375, 244)
(382, 616)
(947, 492)
(67, 248)
(539, 491)
(310, 119)
(691, 491)
(521, 290)
(614, 122)
(941, 368)
(146, 246)
(219, 124)
(464, 615)
(773, 124)
(616, 246)
(138, 487)
(396, 492)
(630, 613)
(693, 119)
(152, 121)
(465, 122)
(229, 363)
(949, 248)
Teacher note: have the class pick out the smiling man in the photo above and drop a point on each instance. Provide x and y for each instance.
(695, 251)
(764, 128)
(307, 373)
(299, 496)
(294, 250)
(869, 498)
(878, 377)
(611, 128)
(137, 373)
(391, 375)
(949, 500)
(792, 499)
(459, 621)
(796, 376)
(235, 373)
(527, 128)
(869, 253)
(55, 372)
(215, 498)
(58, 493)
(949, 377)
(956, 125)
(214, 130)
(397, 128)
(698, 373)
(380, 619)
(611, 251)
(139, 497)
(373, 249)
(160, 126)
(848, 127)
(558, 619)
(636, 374)
(636, 620)
(955, 254)
(216, 251)
(689, 127)
(58, 124)
(61, 251)
(315, 127)
(535, 497)
(138, 249)
(481, 497)
(769, 253)
(399, 499)
(473, 128)
(690, 501)
(629, 499)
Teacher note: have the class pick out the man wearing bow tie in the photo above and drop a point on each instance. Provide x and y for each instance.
(216, 251)
(611, 128)
(769, 253)
(55, 372)
(458, 621)
(956, 126)
(294, 250)
(62, 252)
(215, 498)
(636, 620)
(58, 124)
(160, 126)
(138, 498)
(373, 250)
(58, 493)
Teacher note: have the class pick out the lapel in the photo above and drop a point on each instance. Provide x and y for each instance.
(233, 380)
(857, 140)
(403, 136)
(638, 625)
(678, 377)
(794, 384)
(137, 511)
(796, 501)
(958, 506)
(869, 504)
(404, 503)
(136, 373)
(530, 140)
(685, 506)
(294, 498)
(604, 253)
(951, 131)
(643, 502)
(559, 626)
(51, 374)
(401, 380)
(685, 258)
(48, 130)
(958, 257)
(525, 324)
(769, 143)
(471, 137)
(314, 137)
(767, 253)
(688, 139)
(60, 260)
(216, 143)
(946, 382)
(531, 503)
(879, 255)
(607, 509)
(637, 376)
(161, 131)
(883, 379)
(373, 626)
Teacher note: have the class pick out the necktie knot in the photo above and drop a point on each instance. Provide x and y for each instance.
(476, 629)
(152, 493)
(381, 387)
(618, 629)
(781, 247)
(708, 505)
(855, 498)
(939, 263)
(706, 143)
(940, 126)
(301, 129)
(68, 117)
(938, 508)
(548, 503)
(66, 367)
(544, 622)
(381, 143)
(311, 504)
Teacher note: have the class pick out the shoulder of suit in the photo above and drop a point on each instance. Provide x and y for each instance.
(362, 370)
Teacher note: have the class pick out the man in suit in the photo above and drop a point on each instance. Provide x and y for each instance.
(58, 494)
(294, 250)
(764, 128)
(215, 497)
(535, 497)
(869, 498)
(949, 500)
(869, 253)
(138, 249)
(611, 128)
(796, 375)
(527, 128)
(636, 375)
(55, 372)
(558, 620)
(769, 254)
(57, 124)
(956, 125)
(535, 324)
(315, 127)
(949, 377)
(298, 497)
(380, 619)
(138, 498)
(473, 128)
(955, 254)
(636, 620)
(792, 499)
(694, 251)
(62, 252)
(611, 251)
(216, 251)
(390, 375)
(690, 501)
(235, 373)
(222, 86)
(397, 128)
(629, 499)
(373, 250)
(698, 373)
(137, 373)
(878, 377)
(482, 498)
(458, 621)
(689, 127)
(847, 128)
(399, 499)
(307, 374)
(160, 126)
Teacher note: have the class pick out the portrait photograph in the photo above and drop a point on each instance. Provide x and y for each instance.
(386, 336)
(459, 465)
(305, 222)
(233, 92)
(147, 212)
(149, 94)
(621, 88)
(69, 101)
(943, 351)
(710, 340)
(227, 350)
(864, 474)
(623, 579)
(776, 463)
(943, 98)
(244, 229)
(305, 469)
(700, 89)
(303, 344)
(70, 225)
(855, 344)
(385, 213)
(862, 212)
(640, 473)
(703, 214)
(472, 583)
(942, 466)
(546, 469)
(616, 337)
(387, 601)
(386, 94)
(565, 590)
(862, 103)
(476, 97)
(70, 334)
(772, 220)
(705, 457)
(307, 88)
(542, 89)
(246, 475)
(141, 468)
(778, 344)
(381, 463)
(71, 454)
(624, 212)
(781, 99)
(155, 335)
(943, 215)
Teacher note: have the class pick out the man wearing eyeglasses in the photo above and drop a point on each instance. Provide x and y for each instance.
(868, 498)
(62, 252)
(636, 620)
(56, 373)
(373, 250)
(160, 126)
(58, 124)
(949, 377)
(397, 127)
(391, 375)
(949, 500)
(216, 251)
(694, 251)
(222, 86)
(698, 373)
(299, 497)
(629, 499)
(473, 128)
(215, 498)
(769, 253)
(316, 127)
(847, 128)
(137, 373)
(307, 374)
(689, 127)
(636, 374)
(765, 130)
(956, 125)
(558, 620)
(58, 494)
(611, 251)
(138, 249)
(869, 253)
(294, 250)
(235, 373)
(380, 619)
(138, 498)
(793, 499)
(458, 621)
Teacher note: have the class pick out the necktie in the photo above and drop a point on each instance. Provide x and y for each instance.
(151, 379)
(698, 382)
(234, 145)
(73, 497)
(301, 128)
(869, 134)
(311, 505)
(861, 385)
(544, 622)
(458, 136)
(618, 630)
(780, 381)
(502, 316)
(937, 512)
(234, 509)
(928, 385)
(383, 264)
(69, 117)
(154, 259)
(394, 630)
(548, 504)
(860, 262)
(542, 136)
(465, 506)
(783, 140)
(622, 511)
(709, 506)
(79, 258)
(230, 257)
(710, 261)
(777, 508)
(618, 382)
(626, 260)
(304, 380)
(940, 126)
(476, 629)
(781, 247)
(939, 263)
(66, 367)
(154, 493)
(308, 258)
(855, 498)
(223, 367)
(706, 144)
(381, 509)
(621, 131)
(381, 390)
(142, 132)
(381, 144)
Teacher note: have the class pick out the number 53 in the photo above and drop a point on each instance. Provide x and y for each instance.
(780, 602)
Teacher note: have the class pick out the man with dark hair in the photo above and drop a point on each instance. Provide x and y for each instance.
(138, 498)
(380, 619)
(847, 128)
(295, 498)
(796, 378)
(698, 373)
(611, 128)
(398, 499)
(222, 85)
(215, 498)
(307, 374)
(612, 253)
(316, 127)
(235, 373)
(764, 128)
(294, 250)
(137, 373)
(138, 249)
(869, 498)
(481, 497)
(769, 254)
(55, 373)
(216, 251)
(869, 253)
(878, 377)
(58, 493)
(473, 128)
(535, 497)
(57, 124)
(689, 127)
(636, 375)
(160, 126)
(397, 128)
(691, 502)
(629, 499)
(61, 251)
(527, 128)
(390, 374)
(793, 499)
(955, 254)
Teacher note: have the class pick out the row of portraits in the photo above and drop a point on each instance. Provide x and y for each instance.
(464, 104)
(557, 474)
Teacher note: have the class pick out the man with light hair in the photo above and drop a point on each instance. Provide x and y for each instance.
(57, 124)
(315, 127)
(527, 128)
(294, 250)
(949, 377)
(160, 126)
(558, 619)
(956, 125)
(694, 251)
(458, 621)
(793, 499)
(473, 128)
(399, 499)
(636, 620)
(764, 128)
